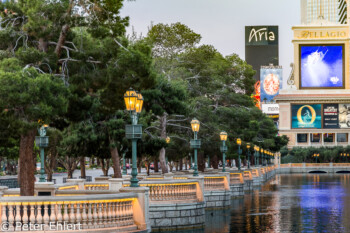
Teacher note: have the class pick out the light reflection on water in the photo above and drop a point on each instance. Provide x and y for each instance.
(288, 203)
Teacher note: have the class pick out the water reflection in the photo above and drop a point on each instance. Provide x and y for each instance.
(288, 203)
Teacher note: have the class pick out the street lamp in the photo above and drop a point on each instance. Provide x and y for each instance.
(195, 143)
(256, 156)
(248, 147)
(166, 156)
(42, 141)
(239, 143)
(262, 156)
(133, 103)
(223, 148)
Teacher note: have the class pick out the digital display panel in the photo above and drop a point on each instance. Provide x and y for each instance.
(270, 83)
(344, 115)
(307, 116)
(330, 116)
(321, 66)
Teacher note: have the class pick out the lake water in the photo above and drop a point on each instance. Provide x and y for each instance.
(287, 203)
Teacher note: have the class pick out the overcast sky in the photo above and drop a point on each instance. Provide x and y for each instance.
(220, 22)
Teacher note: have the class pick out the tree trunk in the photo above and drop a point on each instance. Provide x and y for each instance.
(116, 163)
(104, 166)
(201, 162)
(70, 173)
(27, 169)
(138, 163)
(214, 162)
(156, 168)
(181, 164)
(82, 167)
(163, 121)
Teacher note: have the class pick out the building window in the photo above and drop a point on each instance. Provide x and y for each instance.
(315, 137)
(342, 137)
(328, 137)
(301, 137)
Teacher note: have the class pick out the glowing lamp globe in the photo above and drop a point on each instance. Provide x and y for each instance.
(248, 146)
(167, 140)
(223, 136)
(139, 103)
(130, 98)
(195, 125)
(239, 141)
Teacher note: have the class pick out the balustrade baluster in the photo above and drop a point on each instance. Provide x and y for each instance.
(59, 212)
(84, 216)
(25, 217)
(17, 213)
(122, 213)
(117, 213)
(105, 212)
(95, 216)
(11, 218)
(89, 215)
(3, 214)
(53, 212)
(65, 212)
(109, 212)
(100, 215)
(46, 217)
(78, 215)
(39, 214)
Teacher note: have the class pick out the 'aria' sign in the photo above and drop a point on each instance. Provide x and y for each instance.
(261, 35)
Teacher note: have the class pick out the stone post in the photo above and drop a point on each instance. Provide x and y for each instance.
(79, 182)
(2, 190)
(140, 207)
(200, 187)
(44, 187)
(227, 179)
(115, 184)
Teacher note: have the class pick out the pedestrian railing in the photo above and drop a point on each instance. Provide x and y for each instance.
(99, 212)
(10, 183)
(255, 173)
(96, 186)
(236, 178)
(170, 190)
(247, 175)
(214, 183)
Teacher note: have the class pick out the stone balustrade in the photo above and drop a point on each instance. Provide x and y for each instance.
(96, 186)
(236, 178)
(170, 190)
(214, 183)
(112, 211)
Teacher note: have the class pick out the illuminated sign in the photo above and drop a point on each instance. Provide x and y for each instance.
(270, 108)
(321, 66)
(261, 35)
(271, 82)
(330, 116)
(320, 34)
(306, 116)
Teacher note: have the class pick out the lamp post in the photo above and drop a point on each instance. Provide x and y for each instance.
(257, 156)
(239, 143)
(195, 143)
(42, 141)
(223, 148)
(262, 156)
(248, 147)
(133, 102)
(166, 156)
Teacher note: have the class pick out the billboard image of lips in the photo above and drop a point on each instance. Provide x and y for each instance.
(321, 66)
(307, 116)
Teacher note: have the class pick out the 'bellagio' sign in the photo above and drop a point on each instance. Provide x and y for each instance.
(320, 34)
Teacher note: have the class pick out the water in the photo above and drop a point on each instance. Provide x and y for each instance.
(288, 203)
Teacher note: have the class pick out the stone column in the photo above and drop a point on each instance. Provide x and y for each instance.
(115, 184)
(47, 187)
(79, 182)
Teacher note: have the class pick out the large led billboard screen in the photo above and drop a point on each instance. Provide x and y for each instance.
(307, 116)
(321, 66)
(270, 83)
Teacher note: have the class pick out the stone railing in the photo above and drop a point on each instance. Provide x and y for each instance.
(112, 211)
(247, 175)
(236, 178)
(262, 170)
(96, 186)
(255, 173)
(341, 164)
(174, 190)
(215, 183)
(68, 187)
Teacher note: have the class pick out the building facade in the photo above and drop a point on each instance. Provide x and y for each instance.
(331, 10)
